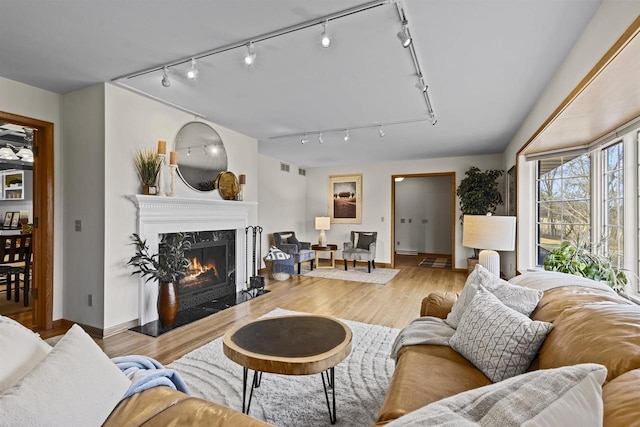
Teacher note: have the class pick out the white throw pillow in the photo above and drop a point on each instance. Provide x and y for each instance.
(497, 339)
(20, 351)
(521, 299)
(74, 385)
(567, 396)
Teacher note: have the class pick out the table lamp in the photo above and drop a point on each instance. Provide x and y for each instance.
(490, 234)
(322, 223)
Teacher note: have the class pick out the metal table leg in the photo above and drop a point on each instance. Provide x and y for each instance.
(330, 382)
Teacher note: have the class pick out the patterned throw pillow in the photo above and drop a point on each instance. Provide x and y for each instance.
(567, 396)
(364, 240)
(497, 339)
(521, 299)
(275, 253)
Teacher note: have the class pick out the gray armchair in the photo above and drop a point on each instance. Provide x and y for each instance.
(362, 247)
(287, 242)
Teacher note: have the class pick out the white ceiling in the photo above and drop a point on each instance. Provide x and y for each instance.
(485, 61)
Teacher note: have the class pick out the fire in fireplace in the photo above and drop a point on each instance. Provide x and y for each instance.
(212, 269)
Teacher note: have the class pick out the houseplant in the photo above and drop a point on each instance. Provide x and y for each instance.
(575, 258)
(167, 266)
(148, 164)
(479, 195)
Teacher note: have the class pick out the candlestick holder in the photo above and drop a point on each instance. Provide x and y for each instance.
(172, 188)
(160, 175)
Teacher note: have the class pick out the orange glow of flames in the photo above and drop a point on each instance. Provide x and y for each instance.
(196, 268)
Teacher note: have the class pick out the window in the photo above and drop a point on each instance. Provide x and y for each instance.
(563, 202)
(613, 202)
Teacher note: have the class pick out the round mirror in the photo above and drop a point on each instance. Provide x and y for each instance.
(201, 155)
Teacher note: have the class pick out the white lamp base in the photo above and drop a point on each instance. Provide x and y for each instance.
(490, 260)
(322, 239)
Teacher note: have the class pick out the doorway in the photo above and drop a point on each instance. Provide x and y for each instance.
(423, 220)
(42, 217)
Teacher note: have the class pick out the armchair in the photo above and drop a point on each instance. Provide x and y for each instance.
(362, 247)
(287, 242)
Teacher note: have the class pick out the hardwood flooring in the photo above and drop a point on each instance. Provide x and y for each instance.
(394, 304)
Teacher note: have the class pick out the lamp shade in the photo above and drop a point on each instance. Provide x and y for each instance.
(323, 223)
(497, 233)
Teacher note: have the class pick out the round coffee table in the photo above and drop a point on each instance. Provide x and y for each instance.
(289, 345)
(332, 252)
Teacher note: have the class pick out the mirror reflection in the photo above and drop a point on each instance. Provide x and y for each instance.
(201, 155)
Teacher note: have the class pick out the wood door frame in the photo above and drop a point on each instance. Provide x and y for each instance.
(453, 211)
(43, 190)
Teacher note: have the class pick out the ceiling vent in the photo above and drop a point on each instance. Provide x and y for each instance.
(284, 167)
(302, 172)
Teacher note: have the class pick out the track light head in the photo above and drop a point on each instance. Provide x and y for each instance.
(346, 135)
(433, 118)
(188, 151)
(320, 140)
(325, 41)
(193, 71)
(404, 37)
(380, 131)
(165, 77)
(304, 139)
(250, 57)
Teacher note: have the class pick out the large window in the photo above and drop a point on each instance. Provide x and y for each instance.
(613, 200)
(563, 202)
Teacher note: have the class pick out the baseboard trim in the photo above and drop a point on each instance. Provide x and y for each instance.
(96, 332)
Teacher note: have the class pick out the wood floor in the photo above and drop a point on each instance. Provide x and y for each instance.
(394, 304)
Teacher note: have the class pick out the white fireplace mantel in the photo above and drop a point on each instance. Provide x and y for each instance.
(158, 215)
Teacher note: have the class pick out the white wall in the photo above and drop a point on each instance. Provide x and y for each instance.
(83, 158)
(606, 26)
(28, 101)
(424, 199)
(376, 194)
(282, 202)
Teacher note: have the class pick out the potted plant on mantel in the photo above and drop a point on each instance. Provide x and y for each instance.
(167, 266)
(148, 164)
(479, 195)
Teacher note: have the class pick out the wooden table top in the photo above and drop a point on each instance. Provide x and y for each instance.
(290, 345)
(329, 247)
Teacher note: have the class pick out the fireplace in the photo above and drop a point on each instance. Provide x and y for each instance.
(212, 268)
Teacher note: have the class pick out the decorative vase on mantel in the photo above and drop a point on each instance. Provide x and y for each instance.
(167, 303)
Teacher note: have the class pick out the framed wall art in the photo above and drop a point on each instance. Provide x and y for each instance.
(345, 199)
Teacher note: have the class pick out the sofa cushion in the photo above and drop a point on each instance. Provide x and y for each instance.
(519, 298)
(600, 332)
(76, 381)
(497, 339)
(20, 351)
(426, 374)
(570, 396)
(621, 396)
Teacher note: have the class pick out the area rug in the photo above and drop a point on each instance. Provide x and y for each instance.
(379, 276)
(436, 262)
(284, 400)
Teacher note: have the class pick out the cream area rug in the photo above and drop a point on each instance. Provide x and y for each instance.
(378, 275)
(286, 400)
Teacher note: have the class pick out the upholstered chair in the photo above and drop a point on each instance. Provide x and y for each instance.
(287, 242)
(362, 247)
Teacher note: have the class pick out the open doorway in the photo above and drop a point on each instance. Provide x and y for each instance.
(423, 220)
(39, 137)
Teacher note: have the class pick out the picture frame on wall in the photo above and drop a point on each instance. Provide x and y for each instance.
(511, 192)
(345, 199)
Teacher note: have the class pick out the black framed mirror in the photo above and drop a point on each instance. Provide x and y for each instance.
(201, 155)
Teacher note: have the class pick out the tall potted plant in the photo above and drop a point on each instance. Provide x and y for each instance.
(148, 164)
(167, 267)
(479, 195)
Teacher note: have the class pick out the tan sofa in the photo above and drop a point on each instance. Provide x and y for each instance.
(590, 325)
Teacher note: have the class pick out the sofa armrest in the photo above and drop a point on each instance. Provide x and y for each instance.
(289, 248)
(438, 304)
(305, 245)
(347, 246)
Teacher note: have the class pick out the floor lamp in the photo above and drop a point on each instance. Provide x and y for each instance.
(489, 233)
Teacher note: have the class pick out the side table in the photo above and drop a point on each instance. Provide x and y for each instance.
(331, 249)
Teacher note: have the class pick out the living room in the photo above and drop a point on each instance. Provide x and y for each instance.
(97, 129)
